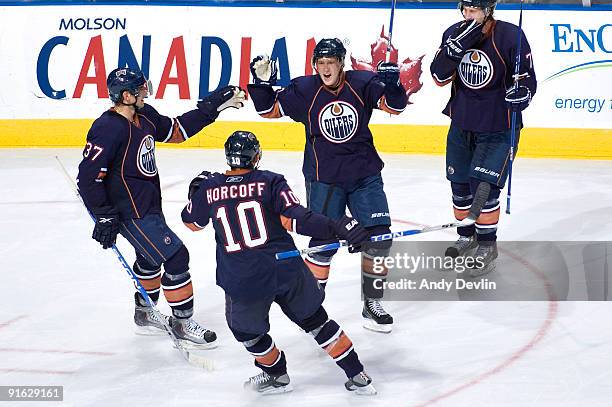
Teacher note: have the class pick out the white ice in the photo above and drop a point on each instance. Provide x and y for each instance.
(66, 305)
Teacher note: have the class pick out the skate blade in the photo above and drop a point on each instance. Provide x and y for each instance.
(481, 272)
(188, 345)
(368, 390)
(149, 331)
(278, 390)
(271, 390)
(373, 326)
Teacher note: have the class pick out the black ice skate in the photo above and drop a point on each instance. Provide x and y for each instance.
(461, 247)
(146, 321)
(486, 255)
(361, 385)
(191, 335)
(376, 318)
(266, 384)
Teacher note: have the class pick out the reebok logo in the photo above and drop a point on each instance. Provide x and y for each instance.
(233, 179)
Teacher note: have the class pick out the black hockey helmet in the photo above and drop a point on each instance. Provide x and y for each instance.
(329, 47)
(487, 5)
(122, 79)
(242, 150)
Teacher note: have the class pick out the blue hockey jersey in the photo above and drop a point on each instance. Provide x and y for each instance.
(119, 168)
(251, 212)
(481, 78)
(339, 145)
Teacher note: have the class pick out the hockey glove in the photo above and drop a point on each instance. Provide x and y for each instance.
(389, 73)
(107, 226)
(518, 98)
(349, 229)
(263, 70)
(221, 99)
(195, 183)
(466, 36)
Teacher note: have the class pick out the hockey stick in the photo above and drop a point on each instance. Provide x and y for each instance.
(517, 64)
(193, 359)
(393, 3)
(480, 198)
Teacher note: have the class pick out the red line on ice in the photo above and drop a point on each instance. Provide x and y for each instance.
(9, 322)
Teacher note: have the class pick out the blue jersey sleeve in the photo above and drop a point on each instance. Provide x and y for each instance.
(177, 129)
(103, 142)
(293, 102)
(197, 210)
(294, 216)
(442, 67)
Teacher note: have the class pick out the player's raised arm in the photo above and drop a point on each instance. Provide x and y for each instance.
(393, 99)
(180, 128)
(296, 218)
(456, 40)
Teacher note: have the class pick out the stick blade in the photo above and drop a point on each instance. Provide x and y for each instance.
(200, 361)
(480, 199)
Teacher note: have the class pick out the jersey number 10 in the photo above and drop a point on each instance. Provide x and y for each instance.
(251, 237)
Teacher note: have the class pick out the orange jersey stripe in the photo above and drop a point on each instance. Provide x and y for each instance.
(274, 113)
(123, 172)
(385, 108)
(177, 135)
(287, 223)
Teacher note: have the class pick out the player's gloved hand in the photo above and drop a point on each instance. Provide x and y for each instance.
(264, 70)
(389, 73)
(221, 99)
(349, 229)
(107, 226)
(466, 36)
(195, 183)
(518, 98)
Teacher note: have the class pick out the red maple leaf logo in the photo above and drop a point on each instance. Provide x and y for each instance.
(410, 70)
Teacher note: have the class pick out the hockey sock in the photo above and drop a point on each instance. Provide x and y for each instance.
(462, 202)
(338, 345)
(150, 279)
(486, 224)
(319, 263)
(319, 267)
(267, 356)
(370, 273)
(176, 283)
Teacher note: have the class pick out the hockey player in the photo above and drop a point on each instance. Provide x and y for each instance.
(341, 166)
(251, 211)
(477, 56)
(119, 183)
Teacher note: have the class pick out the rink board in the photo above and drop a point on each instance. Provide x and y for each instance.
(54, 76)
(408, 139)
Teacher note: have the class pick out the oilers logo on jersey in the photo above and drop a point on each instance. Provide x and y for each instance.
(338, 121)
(145, 158)
(475, 69)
